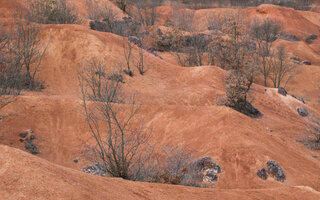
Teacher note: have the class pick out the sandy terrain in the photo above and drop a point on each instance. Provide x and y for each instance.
(180, 104)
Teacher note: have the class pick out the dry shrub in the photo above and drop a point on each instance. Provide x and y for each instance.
(122, 140)
(52, 12)
(265, 33)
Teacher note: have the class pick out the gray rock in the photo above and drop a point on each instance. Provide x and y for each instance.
(207, 169)
(32, 137)
(303, 112)
(275, 171)
(295, 58)
(31, 147)
(262, 173)
(95, 169)
(310, 38)
(306, 62)
(282, 91)
(23, 134)
(289, 37)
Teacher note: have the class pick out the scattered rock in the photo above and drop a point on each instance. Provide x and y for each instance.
(21, 140)
(30, 147)
(282, 91)
(303, 112)
(32, 137)
(275, 171)
(262, 173)
(289, 37)
(23, 134)
(95, 169)
(295, 58)
(310, 38)
(76, 160)
(306, 62)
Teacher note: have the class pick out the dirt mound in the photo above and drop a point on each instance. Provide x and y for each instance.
(180, 104)
(21, 174)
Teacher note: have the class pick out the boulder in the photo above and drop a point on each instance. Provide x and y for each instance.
(207, 169)
(32, 137)
(295, 58)
(275, 171)
(95, 169)
(282, 91)
(31, 147)
(306, 62)
(310, 38)
(23, 134)
(303, 112)
(262, 173)
(289, 37)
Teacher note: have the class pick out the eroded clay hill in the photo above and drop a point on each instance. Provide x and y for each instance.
(180, 104)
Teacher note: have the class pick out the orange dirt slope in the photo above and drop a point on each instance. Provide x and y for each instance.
(180, 104)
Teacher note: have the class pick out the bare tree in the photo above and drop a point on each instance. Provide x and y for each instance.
(123, 4)
(120, 135)
(28, 49)
(10, 83)
(127, 52)
(95, 77)
(102, 11)
(146, 10)
(183, 19)
(65, 13)
(265, 33)
(140, 63)
(214, 21)
(315, 130)
(174, 165)
(235, 54)
(281, 69)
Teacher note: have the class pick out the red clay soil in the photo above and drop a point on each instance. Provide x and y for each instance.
(180, 104)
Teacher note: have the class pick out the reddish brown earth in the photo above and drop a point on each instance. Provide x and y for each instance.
(180, 104)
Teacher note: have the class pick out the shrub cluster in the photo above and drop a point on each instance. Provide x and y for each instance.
(52, 12)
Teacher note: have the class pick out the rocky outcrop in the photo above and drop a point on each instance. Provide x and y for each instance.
(262, 173)
(310, 38)
(275, 171)
(30, 146)
(95, 169)
(28, 137)
(289, 37)
(303, 112)
(306, 62)
(207, 169)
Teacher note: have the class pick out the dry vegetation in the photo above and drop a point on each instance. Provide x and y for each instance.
(123, 144)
